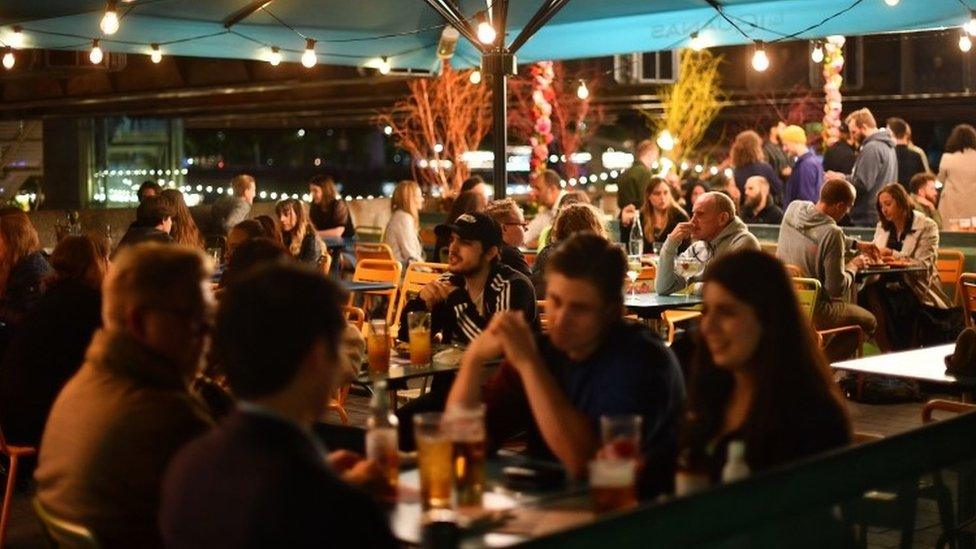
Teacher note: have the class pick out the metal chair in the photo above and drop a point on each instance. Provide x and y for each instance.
(950, 265)
(14, 454)
(63, 533)
(966, 290)
(418, 274)
(378, 270)
(807, 294)
(374, 251)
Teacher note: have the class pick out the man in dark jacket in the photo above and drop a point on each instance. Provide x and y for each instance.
(509, 217)
(154, 219)
(911, 159)
(757, 206)
(876, 166)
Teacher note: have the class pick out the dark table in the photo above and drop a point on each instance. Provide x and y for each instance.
(351, 286)
(884, 270)
(402, 370)
(652, 305)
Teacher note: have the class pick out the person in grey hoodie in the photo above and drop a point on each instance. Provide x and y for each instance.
(810, 240)
(876, 165)
(716, 231)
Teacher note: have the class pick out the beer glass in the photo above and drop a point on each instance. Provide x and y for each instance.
(620, 436)
(466, 427)
(613, 474)
(378, 347)
(434, 461)
(418, 323)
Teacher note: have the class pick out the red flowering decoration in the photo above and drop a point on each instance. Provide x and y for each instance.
(542, 97)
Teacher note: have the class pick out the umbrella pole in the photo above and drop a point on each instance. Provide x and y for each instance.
(499, 66)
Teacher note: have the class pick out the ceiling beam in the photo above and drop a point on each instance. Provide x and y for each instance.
(540, 18)
(452, 14)
(245, 12)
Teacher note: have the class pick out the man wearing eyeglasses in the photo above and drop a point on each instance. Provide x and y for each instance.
(509, 216)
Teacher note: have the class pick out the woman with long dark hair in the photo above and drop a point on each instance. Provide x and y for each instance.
(329, 214)
(22, 265)
(957, 172)
(184, 230)
(297, 233)
(659, 214)
(758, 376)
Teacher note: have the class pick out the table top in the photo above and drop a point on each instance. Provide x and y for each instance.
(401, 369)
(334, 242)
(351, 286)
(888, 270)
(654, 303)
(508, 517)
(926, 364)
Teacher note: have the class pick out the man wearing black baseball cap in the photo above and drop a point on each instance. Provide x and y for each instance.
(476, 286)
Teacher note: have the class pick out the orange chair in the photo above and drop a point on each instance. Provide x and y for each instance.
(966, 290)
(14, 454)
(376, 250)
(950, 265)
(418, 274)
(326, 263)
(378, 270)
(530, 257)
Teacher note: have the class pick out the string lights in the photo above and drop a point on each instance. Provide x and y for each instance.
(309, 59)
(892, 3)
(582, 91)
(155, 55)
(475, 77)
(486, 32)
(760, 61)
(384, 65)
(8, 58)
(96, 54)
(274, 58)
(16, 38)
(696, 42)
(965, 42)
(970, 26)
(817, 54)
(110, 21)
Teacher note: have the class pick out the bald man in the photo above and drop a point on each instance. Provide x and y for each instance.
(757, 206)
(715, 231)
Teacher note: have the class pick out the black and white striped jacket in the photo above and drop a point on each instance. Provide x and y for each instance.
(457, 318)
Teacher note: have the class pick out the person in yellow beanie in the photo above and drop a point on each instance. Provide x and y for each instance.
(808, 175)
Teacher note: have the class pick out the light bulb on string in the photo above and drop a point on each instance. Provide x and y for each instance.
(892, 3)
(475, 77)
(384, 65)
(274, 58)
(486, 32)
(970, 25)
(8, 58)
(96, 54)
(665, 141)
(696, 43)
(16, 38)
(817, 55)
(309, 59)
(965, 42)
(110, 21)
(582, 91)
(760, 61)
(155, 55)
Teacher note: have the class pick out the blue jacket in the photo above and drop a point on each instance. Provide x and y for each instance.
(805, 180)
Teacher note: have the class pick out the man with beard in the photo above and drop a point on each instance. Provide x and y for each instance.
(757, 207)
(876, 166)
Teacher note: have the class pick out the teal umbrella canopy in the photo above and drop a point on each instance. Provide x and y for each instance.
(360, 32)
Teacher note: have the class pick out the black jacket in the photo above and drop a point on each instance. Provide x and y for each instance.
(259, 481)
(457, 318)
(513, 257)
(770, 215)
(137, 234)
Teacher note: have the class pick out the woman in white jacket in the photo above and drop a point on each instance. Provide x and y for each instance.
(403, 230)
(957, 172)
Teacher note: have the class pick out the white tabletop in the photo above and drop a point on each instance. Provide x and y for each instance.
(923, 364)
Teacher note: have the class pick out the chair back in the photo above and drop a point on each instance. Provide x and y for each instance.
(379, 270)
(769, 247)
(807, 292)
(369, 233)
(950, 265)
(793, 270)
(376, 250)
(418, 274)
(63, 533)
(325, 263)
(967, 293)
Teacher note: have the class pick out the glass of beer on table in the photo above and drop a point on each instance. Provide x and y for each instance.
(613, 474)
(434, 459)
(418, 323)
(466, 428)
(378, 347)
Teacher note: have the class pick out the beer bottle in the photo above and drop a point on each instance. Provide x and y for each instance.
(381, 438)
(736, 467)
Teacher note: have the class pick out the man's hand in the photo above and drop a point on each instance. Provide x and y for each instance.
(356, 470)
(834, 175)
(484, 347)
(627, 214)
(681, 232)
(869, 249)
(516, 339)
(857, 263)
(435, 292)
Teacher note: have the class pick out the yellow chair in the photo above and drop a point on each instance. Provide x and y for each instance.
(378, 270)
(807, 293)
(418, 274)
(966, 290)
(13, 453)
(950, 265)
(374, 251)
(62, 533)
(769, 247)
(673, 317)
(369, 233)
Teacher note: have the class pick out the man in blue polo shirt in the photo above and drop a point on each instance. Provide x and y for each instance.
(591, 363)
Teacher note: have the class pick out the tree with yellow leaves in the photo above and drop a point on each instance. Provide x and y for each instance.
(690, 104)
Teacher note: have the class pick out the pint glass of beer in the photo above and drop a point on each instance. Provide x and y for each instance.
(434, 457)
(612, 484)
(378, 347)
(418, 323)
(466, 427)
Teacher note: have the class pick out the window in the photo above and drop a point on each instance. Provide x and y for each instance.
(655, 67)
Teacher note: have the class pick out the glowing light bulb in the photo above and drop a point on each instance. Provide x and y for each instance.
(388, 130)
(475, 77)
(486, 33)
(892, 3)
(8, 58)
(16, 39)
(110, 21)
(309, 59)
(665, 141)
(969, 27)
(96, 54)
(817, 55)
(274, 58)
(155, 55)
(696, 43)
(582, 91)
(965, 43)
(384, 66)
(760, 61)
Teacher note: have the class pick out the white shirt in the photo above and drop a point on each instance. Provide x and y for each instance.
(401, 235)
(543, 219)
